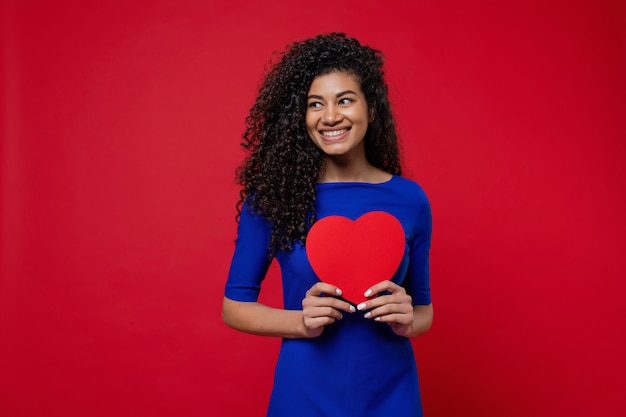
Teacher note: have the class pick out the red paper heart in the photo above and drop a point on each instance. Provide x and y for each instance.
(354, 255)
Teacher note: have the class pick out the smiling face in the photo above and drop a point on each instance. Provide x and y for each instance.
(337, 114)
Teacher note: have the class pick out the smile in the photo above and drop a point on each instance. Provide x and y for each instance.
(334, 133)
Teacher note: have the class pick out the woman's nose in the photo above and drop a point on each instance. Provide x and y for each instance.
(331, 115)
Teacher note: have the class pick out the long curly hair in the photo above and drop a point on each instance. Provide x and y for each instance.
(283, 166)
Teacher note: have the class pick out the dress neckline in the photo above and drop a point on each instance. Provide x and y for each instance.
(357, 182)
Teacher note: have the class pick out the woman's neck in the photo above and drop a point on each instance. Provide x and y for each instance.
(356, 171)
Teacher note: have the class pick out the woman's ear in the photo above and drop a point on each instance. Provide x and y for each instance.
(372, 115)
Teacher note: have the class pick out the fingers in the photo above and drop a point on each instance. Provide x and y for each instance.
(384, 286)
(324, 295)
(321, 307)
(323, 288)
(393, 306)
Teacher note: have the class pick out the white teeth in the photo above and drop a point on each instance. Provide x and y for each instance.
(334, 132)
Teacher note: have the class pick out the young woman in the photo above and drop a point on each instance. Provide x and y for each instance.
(321, 139)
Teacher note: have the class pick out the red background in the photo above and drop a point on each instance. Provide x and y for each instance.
(120, 130)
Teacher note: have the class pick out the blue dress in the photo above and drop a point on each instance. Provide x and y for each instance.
(357, 366)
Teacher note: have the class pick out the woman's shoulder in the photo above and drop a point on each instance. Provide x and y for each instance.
(408, 186)
(415, 200)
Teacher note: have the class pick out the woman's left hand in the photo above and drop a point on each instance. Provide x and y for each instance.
(395, 308)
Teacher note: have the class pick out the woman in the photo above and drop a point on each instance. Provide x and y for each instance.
(322, 141)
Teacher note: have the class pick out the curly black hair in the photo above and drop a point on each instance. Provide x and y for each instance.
(279, 175)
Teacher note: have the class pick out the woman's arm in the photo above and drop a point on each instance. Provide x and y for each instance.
(422, 321)
(318, 310)
(259, 319)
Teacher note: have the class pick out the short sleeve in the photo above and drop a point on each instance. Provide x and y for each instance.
(250, 260)
(418, 274)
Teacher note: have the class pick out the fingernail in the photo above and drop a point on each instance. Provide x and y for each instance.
(352, 309)
(368, 293)
(338, 291)
(367, 315)
(377, 319)
(360, 306)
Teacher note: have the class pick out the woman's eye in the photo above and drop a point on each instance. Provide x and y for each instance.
(345, 101)
(315, 104)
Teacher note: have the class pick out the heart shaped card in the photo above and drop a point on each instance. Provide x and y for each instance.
(354, 255)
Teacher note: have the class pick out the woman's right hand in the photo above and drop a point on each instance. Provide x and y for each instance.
(320, 307)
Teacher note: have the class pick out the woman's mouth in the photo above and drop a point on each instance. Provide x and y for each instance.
(334, 134)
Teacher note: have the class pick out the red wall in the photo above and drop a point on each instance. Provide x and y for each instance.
(120, 131)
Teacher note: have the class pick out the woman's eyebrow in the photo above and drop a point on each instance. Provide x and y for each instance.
(343, 93)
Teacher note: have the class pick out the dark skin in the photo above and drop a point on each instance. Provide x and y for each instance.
(394, 308)
(337, 119)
